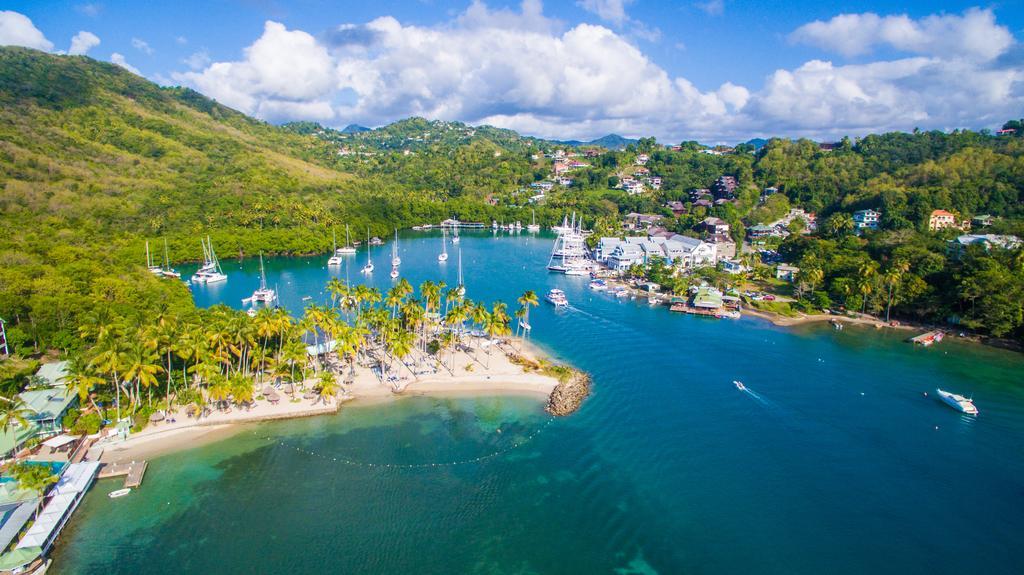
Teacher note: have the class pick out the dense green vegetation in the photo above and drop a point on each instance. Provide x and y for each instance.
(94, 161)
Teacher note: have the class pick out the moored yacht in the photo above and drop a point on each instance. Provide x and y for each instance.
(210, 272)
(443, 256)
(533, 227)
(368, 268)
(557, 297)
(455, 235)
(335, 259)
(348, 249)
(958, 402)
(168, 271)
(263, 294)
(155, 270)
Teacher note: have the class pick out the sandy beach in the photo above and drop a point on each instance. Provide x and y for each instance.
(467, 371)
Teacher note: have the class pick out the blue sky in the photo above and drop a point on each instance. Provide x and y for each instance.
(714, 70)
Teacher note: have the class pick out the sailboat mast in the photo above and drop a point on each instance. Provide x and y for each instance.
(167, 260)
(263, 274)
(149, 262)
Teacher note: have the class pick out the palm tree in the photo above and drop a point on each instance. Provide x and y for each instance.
(892, 278)
(241, 389)
(14, 413)
(865, 284)
(141, 366)
(393, 300)
(338, 290)
(110, 360)
(400, 344)
(327, 386)
(529, 298)
(81, 381)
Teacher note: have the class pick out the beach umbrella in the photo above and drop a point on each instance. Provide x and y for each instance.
(268, 390)
(19, 558)
(288, 388)
(156, 416)
(309, 395)
(273, 397)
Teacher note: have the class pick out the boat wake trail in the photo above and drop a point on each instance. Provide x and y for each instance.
(762, 400)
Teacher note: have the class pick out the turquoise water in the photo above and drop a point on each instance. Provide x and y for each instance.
(834, 462)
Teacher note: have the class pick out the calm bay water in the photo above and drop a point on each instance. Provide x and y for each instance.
(833, 462)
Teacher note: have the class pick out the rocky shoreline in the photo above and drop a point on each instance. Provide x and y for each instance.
(569, 394)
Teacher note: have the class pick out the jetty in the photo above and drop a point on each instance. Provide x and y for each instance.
(133, 472)
(927, 339)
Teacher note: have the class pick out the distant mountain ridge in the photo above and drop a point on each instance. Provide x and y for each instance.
(611, 142)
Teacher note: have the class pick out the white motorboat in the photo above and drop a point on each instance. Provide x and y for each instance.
(958, 402)
(119, 493)
(443, 256)
(739, 385)
(524, 325)
(211, 271)
(394, 272)
(557, 298)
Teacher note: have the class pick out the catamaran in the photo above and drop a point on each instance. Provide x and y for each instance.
(211, 271)
(557, 298)
(168, 271)
(395, 260)
(533, 227)
(368, 268)
(155, 270)
(443, 256)
(958, 402)
(264, 294)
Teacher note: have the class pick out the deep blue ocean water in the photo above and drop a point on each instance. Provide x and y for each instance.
(833, 462)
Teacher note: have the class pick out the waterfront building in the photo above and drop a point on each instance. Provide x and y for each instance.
(625, 255)
(695, 252)
(605, 247)
(46, 406)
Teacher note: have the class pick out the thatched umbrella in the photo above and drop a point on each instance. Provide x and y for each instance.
(273, 397)
(309, 395)
(156, 416)
(267, 390)
(288, 388)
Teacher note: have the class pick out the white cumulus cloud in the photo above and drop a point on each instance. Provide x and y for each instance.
(142, 46)
(973, 34)
(613, 11)
(120, 60)
(82, 42)
(522, 70)
(16, 29)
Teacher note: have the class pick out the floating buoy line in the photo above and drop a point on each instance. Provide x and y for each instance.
(346, 461)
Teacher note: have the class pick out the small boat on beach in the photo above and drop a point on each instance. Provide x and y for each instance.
(958, 402)
(119, 493)
(557, 298)
(739, 385)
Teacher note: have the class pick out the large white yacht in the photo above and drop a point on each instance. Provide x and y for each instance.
(210, 272)
(958, 402)
(557, 298)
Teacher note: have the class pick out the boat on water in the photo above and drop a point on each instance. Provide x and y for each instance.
(557, 298)
(394, 272)
(368, 268)
(598, 285)
(375, 241)
(460, 286)
(569, 254)
(335, 259)
(210, 272)
(455, 235)
(263, 294)
(443, 256)
(168, 271)
(533, 227)
(348, 249)
(395, 260)
(739, 385)
(958, 402)
(526, 326)
(155, 270)
(119, 493)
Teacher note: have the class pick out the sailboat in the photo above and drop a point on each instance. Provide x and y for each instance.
(348, 249)
(533, 227)
(455, 236)
(264, 294)
(211, 271)
(168, 271)
(460, 287)
(368, 268)
(394, 272)
(443, 256)
(395, 260)
(335, 259)
(155, 270)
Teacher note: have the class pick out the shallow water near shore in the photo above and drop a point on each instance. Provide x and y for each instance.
(834, 460)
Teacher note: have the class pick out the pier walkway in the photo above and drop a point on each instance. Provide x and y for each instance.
(132, 472)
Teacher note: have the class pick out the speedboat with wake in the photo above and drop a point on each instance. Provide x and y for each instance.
(557, 298)
(739, 385)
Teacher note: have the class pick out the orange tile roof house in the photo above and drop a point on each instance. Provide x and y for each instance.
(941, 219)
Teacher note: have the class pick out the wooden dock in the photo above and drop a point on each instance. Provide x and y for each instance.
(132, 472)
(929, 338)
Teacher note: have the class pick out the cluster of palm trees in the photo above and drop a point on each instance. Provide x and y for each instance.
(222, 355)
